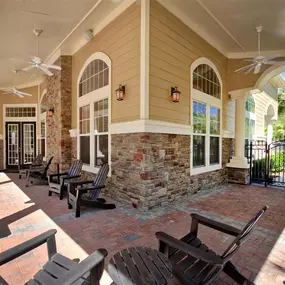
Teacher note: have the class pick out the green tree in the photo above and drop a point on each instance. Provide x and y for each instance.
(281, 103)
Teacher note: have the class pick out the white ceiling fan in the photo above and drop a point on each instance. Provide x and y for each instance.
(16, 91)
(259, 60)
(38, 63)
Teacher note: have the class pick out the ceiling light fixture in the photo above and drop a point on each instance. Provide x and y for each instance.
(89, 34)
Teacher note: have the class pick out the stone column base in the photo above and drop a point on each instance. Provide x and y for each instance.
(238, 175)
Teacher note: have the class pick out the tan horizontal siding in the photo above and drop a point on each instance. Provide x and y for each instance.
(173, 48)
(262, 102)
(120, 40)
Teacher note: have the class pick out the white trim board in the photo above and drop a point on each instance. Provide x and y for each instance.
(150, 126)
(144, 60)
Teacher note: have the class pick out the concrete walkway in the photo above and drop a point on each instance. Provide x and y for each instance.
(26, 212)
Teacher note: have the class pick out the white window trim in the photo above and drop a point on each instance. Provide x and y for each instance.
(13, 119)
(209, 100)
(43, 117)
(90, 99)
(252, 117)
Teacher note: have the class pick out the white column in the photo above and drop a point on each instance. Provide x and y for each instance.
(239, 160)
(269, 133)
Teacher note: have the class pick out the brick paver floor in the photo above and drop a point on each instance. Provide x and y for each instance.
(26, 212)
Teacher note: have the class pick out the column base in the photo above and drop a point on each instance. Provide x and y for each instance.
(238, 162)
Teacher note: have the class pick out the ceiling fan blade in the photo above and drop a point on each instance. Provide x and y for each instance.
(36, 59)
(8, 92)
(270, 57)
(244, 68)
(248, 59)
(23, 93)
(28, 68)
(45, 70)
(51, 66)
(16, 93)
(257, 68)
(272, 62)
(250, 69)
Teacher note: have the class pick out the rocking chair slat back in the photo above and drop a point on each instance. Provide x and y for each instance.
(75, 168)
(47, 167)
(243, 236)
(38, 160)
(99, 181)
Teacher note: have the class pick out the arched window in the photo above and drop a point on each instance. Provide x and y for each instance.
(206, 80)
(94, 91)
(206, 116)
(250, 118)
(95, 76)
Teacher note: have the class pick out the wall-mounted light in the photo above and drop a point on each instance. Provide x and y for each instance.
(175, 93)
(50, 112)
(89, 35)
(120, 92)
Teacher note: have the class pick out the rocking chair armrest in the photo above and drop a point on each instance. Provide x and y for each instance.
(36, 165)
(221, 227)
(36, 169)
(18, 250)
(83, 267)
(80, 182)
(90, 188)
(70, 177)
(188, 249)
(57, 174)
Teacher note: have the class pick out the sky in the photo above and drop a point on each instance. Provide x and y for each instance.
(283, 75)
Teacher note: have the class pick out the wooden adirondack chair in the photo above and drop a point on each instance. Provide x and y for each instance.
(194, 263)
(38, 174)
(23, 169)
(62, 179)
(59, 270)
(87, 192)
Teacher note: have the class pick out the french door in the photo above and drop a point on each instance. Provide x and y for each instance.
(20, 143)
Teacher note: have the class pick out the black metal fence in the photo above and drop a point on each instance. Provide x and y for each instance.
(267, 162)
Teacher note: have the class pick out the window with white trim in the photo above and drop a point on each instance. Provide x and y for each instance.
(250, 118)
(206, 120)
(93, 114)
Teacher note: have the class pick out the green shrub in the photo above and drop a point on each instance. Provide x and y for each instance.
(277, 161)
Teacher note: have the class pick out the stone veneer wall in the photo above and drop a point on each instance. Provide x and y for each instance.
(58, 97)
(151, 169)
(1, 154)
(238, 175)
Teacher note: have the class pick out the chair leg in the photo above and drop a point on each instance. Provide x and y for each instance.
(50, 193)
(77, 204)
(77, 209)
(28, 180)
(61, 192)
(233, 273)
(96, 274)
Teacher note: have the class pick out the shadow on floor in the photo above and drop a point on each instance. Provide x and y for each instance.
(4, 223)
(5, 182)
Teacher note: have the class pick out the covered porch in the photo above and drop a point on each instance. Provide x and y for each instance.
(26, 212)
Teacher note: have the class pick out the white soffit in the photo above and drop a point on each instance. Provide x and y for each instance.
(229, 25)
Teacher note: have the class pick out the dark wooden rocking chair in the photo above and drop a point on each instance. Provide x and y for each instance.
(62, 179)
(87, 192)
(23, 168)
(194, 263)
(59, 270)
(38, 174)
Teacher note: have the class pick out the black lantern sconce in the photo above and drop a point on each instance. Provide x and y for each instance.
(175, 93)
(120, 92)
(50, 112)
